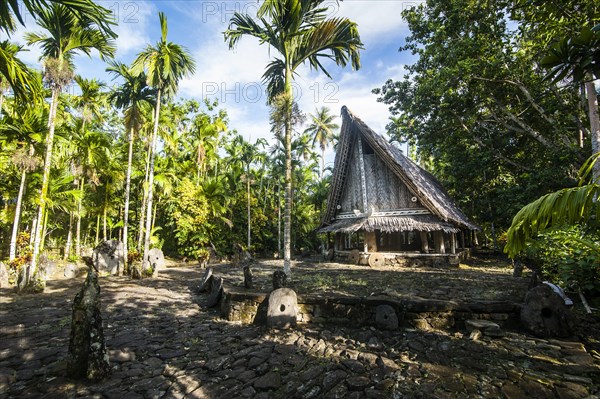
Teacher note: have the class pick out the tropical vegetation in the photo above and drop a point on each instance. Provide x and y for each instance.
(500, 104)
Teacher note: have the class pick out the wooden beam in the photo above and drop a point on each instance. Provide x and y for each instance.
(452, 243)
(438, 240)
(363, 181)
(424, 242)
(370, 242)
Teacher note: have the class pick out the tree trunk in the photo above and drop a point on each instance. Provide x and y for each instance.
(12, 254)
(322, 162)
(69, 242)
(104, 216)
(44, 229)
(127, 191)
(145, 264)
(590, 88)
(144, 202)
(287, 213)
(279, 219)
(249, 219)
(97, 230)
(78, 227)
(154, 216)
(44, 189)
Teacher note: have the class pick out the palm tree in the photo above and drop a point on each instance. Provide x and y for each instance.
(165, 65)
(100, 16)
(14, 74)
(90, 153)
(133, 95)
(300, 32)
(322, 129)
(88, 145)
(28, 124)
(249, 153)
(66, 35)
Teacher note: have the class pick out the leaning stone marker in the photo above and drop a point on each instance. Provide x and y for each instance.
(247, 277)
(283, 308)
(3, 275)
(386, 318)
(216, 290)
(71, 270)
(109, 257)
(156, 260)
(88, 356)
(279, 279)
(545, 314)
(46, 267)
(205, 280)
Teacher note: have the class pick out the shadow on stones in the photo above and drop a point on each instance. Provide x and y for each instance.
(164, 343)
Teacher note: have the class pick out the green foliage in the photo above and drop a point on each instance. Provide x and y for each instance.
(188, 210)
(569, 206)
(476, 106)
(568, 256)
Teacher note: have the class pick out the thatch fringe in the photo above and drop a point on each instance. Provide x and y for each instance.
(390, 224)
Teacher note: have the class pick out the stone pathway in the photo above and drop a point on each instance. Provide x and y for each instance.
(164, 344)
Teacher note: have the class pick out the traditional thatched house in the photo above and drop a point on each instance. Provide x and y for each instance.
(380, 202)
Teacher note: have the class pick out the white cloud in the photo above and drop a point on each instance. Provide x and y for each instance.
(234, 77)
(132, 25)
(375, 18)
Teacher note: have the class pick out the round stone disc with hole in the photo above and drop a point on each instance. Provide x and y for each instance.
(376, 259)
(354, 257)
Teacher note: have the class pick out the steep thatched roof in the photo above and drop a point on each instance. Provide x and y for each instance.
(444, 213)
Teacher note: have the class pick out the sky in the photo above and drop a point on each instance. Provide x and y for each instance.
(234, 76)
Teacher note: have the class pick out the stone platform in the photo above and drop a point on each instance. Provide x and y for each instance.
(427, 298)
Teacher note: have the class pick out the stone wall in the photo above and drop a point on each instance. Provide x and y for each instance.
(409, 259)
(419, 313)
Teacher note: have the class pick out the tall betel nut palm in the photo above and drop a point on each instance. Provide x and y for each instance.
(66, 34)
(165, 64)
(321, 129)
(300, 31)
(132, 95)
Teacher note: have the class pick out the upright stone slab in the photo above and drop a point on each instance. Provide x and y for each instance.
(241, 257)
(247, 277)
(71, 270)
(205, 280)
(156, 260)
(545, 314)
(386, 318)
(283, 308)
(279, 279)
(109, 257)
(216, 290)
(88, 356)
(46, 267)
(3, 276)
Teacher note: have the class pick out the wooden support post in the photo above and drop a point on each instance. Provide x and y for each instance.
(438, 240)
(462, 239)
(336, 241)
(424, 242)
(452, 243)
(370, 241)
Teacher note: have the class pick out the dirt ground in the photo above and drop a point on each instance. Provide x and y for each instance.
(165, 343)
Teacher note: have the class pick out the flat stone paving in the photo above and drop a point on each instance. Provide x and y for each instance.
(164, 344)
